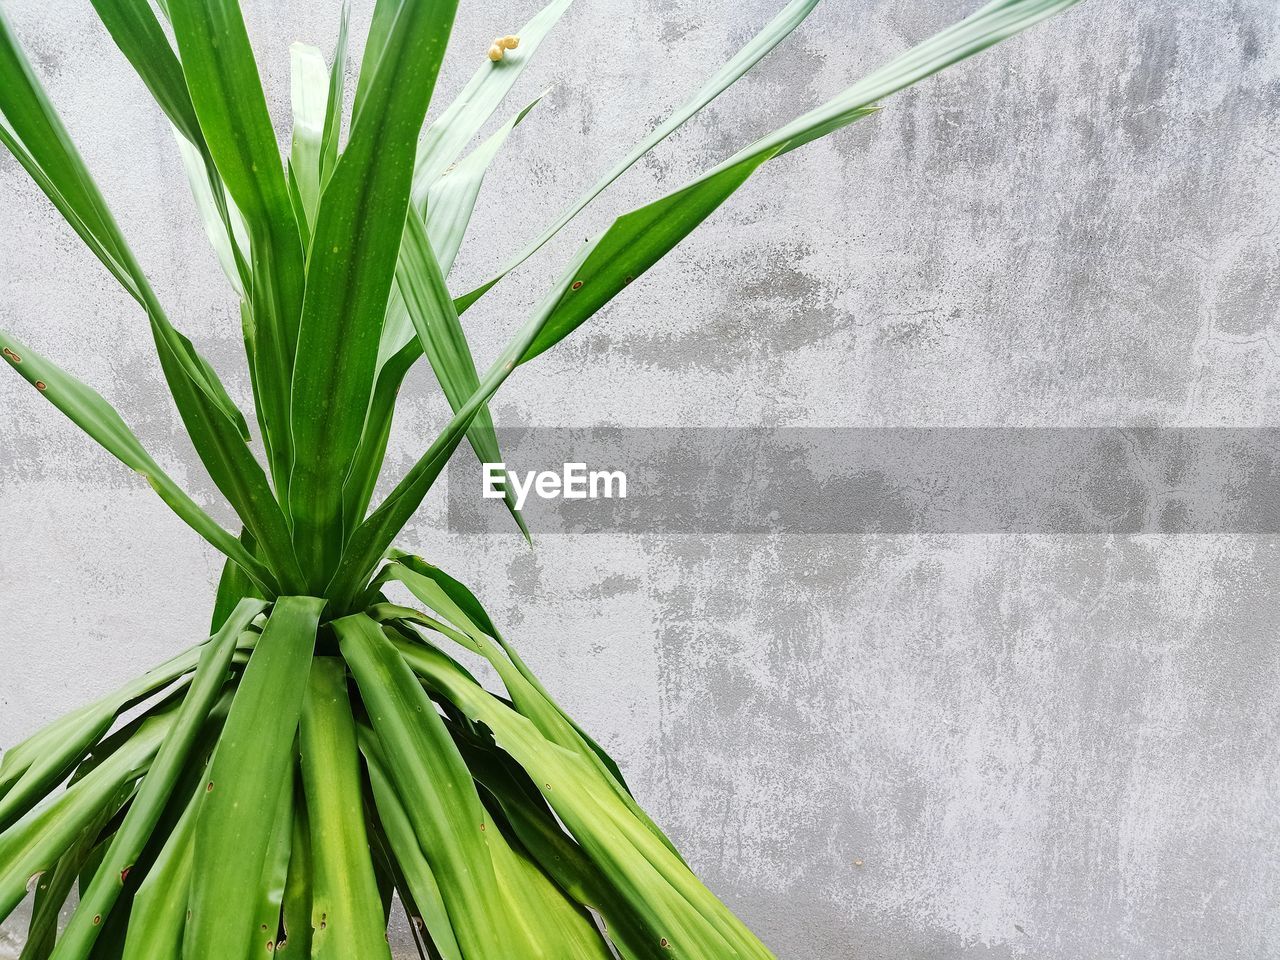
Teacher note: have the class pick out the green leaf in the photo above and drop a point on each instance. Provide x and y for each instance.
(351, 268)
(452, 197)
(296, 909)
(539, 833)
(158, 919)
(222, 76)
(275, 873)
(421, 283)
(252, 765)
(542, 909)
(222, 222)
(346, 915)
(413, 866)
(144, 813)
(55, 886)
(34, 844)
(376, 533)
(455, 602)
(639, 239)
(136, 31)
(423, 764)
(92, 414)
(31, 131)
(36, 135)
(657, 885)
(36, 765)
(756, 50)
(233, 586)
(452, 200)
(337, 91)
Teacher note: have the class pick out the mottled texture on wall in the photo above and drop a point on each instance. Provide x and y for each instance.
(925, 747)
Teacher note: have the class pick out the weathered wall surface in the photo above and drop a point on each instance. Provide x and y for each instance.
(1053, 748)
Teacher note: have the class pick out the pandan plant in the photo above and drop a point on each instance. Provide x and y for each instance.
(276, 786)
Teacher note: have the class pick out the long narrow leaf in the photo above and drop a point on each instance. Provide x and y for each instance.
(337, 91)
(760, 45)
(211, 674)
(346, 916)
(351, 268)
(55, 886)
(231, 107)
(136, 31)
(424, 765)
(658, 886)
(449, 211)
(413, 866)
(606, 265)
(34, 133)
(34, 766)
(89, 411)
(35, 843)
(448, 135)
(376, 533)
(421, 282)
(639, 239)
(252, 766)
(159, 915)
(453, 601)
(296, 909)
(310, 88)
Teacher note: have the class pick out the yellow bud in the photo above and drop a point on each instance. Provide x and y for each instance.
(495, 53)
(510, 41)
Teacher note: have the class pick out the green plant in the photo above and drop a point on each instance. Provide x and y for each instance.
(268, 789)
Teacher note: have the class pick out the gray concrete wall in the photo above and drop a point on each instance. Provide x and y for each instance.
(931, 747)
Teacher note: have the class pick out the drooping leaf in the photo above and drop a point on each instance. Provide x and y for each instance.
(210, 676)
(159, 915)
(31, 768)
(541, 835)
(253, 764)
(296, 910)
(407, 852)
(346, 915)
(55, 886)
(424, 765)
(456, 603)
(659, 888)
(34, 844)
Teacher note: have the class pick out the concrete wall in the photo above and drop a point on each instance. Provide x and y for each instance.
(1059, 748)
